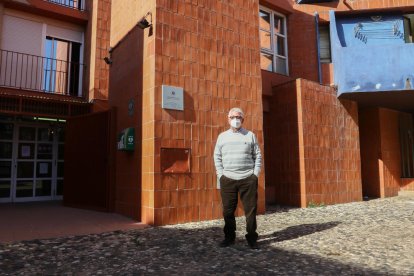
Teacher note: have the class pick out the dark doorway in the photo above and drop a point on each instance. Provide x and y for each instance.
(87, 176)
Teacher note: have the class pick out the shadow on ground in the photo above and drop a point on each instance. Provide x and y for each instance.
(170, 250)
(297, 231)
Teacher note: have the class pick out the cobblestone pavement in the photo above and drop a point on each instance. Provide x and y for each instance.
(373, 237)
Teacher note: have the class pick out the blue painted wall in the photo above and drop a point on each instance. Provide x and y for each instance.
(369, 55)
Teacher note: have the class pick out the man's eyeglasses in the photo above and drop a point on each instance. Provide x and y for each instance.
(235, 117)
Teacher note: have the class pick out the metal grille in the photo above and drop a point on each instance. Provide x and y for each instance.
(80, 109)
(73, 4)
(51, 108)
(36, 73)
(9, 104)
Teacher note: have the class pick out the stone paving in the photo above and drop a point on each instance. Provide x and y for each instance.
(374, 237)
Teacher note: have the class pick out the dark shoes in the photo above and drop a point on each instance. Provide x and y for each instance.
(226, 243)
(253, 245)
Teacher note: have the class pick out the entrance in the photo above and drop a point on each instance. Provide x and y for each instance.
(31, 160)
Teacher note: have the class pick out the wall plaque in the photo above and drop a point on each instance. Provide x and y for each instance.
(175, 160)
(172, 97)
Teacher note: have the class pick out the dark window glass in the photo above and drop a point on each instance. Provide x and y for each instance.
(25, 169)
(44, 151)
(5, 188)
(6, 131)
(6, 150)
(44, 135)
(24, 188)
(59, 187)
(5, 169)
(27, 133)
(60, 169)
(43, 188)
(61, 151)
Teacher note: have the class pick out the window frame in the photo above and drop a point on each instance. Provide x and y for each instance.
(69, 62)
(326, 29)
(273, 45)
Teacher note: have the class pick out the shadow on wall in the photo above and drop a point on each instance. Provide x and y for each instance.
(168, 250)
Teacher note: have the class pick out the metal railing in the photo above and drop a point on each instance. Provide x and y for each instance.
(73, 4)
(37, 73)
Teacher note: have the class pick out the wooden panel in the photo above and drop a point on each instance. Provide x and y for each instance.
(87, 155)
(175, 160)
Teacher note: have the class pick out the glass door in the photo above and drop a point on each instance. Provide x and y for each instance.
(6, 160)
(31, 162)
(25, 163)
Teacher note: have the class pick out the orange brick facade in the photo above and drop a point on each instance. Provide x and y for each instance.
(210, 48)
(317, 148)
(311, 158)
(98, 35)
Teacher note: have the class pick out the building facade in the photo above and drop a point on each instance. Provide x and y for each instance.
(327, 87)
(51, 69)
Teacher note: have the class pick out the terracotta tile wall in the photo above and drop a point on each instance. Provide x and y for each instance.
(390, 151)
(125, 89)
(97, 46)
(281, 134)
(211, 49)
(125, 15)
(331, 146)
(380, 152)
(407, 184)
(314, 153)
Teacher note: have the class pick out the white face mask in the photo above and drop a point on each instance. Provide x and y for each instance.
(236, 123)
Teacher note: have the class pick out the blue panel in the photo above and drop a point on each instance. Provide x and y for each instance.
(379, 30)
(380, 61)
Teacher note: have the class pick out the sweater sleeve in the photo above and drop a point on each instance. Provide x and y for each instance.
(257, 157)
(218, 158)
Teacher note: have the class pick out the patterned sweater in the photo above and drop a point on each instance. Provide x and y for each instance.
(237, 154)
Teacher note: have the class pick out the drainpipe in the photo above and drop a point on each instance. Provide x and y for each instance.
(316, 14)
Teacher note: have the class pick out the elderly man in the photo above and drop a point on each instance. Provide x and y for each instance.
(238, 159)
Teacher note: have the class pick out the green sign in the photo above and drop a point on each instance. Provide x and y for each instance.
(126, 139)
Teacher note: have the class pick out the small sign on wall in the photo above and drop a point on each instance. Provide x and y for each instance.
(172, 97)
(126, 139)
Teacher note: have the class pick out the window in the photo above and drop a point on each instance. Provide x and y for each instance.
(61, 67)
(75, 4)
(273, 41)
(325, 44)
(409, 28)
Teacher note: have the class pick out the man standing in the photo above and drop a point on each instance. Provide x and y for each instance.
(238, 159)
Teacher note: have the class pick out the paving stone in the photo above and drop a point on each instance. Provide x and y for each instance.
(374, 237)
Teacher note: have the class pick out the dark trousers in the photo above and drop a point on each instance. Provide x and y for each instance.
(230, 189)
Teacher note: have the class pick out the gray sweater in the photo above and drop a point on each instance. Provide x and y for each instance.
(237, 154)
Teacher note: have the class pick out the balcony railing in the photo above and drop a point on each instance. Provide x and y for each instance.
(73, 4)
(37, 73)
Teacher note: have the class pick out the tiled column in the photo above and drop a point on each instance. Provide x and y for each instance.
(211, 50)
(98, 36)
